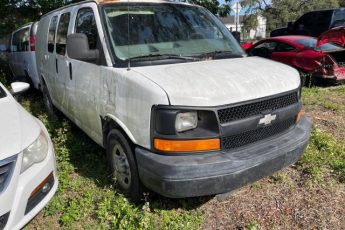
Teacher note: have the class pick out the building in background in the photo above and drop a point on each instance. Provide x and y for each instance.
(257, 33)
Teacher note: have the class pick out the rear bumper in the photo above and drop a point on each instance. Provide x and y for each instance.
(223, 171)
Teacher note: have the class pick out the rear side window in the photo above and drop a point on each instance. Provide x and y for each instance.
(283, 47)
(20, 40)
(339, 18)
(51, 34)
(86, 24)
(61, 35)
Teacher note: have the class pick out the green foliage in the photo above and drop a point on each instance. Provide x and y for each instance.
(15, 13)
(324, 98)
(250, 22)
(253, 226)
(323, 153)
(280, 12)
(86, 197)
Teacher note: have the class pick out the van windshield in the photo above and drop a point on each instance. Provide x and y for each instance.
(165, 30)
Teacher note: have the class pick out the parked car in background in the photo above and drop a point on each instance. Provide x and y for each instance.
(22, 60)
(27, 164)
(247, 45)
(169, 93)
(313, 23)
(301, 52)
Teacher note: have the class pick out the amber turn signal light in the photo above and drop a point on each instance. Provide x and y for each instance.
(187, 145)
(299, 116)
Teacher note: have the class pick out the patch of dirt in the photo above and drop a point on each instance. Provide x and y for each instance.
(327, 120)
(288, 204)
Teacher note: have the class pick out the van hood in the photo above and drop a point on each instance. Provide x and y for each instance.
(222, 82)
(18, 129)
(335, 35)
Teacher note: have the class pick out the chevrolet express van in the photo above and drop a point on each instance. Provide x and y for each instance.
(22, 58)
(168, 92)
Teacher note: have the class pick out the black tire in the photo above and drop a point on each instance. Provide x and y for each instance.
(48, 104)
(117, 148)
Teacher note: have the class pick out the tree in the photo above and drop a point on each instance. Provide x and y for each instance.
(15, 13)
(215, 7)
(279, 12)
(342, 3)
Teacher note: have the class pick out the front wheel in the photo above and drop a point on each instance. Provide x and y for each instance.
(123, 165)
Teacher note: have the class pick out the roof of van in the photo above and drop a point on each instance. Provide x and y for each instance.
(116, 1)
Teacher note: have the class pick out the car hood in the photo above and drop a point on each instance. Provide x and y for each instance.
(221, 82)
(335, 35)
(18, 129)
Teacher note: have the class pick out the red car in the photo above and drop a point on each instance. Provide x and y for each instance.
(323, 57)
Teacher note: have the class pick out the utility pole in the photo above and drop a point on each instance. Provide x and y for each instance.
(237, 9)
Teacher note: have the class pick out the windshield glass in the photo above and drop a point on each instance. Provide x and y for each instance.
(165, 29)
(2, 93)
(310, 43)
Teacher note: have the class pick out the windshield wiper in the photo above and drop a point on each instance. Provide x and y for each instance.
(149, 57)
(219, 53)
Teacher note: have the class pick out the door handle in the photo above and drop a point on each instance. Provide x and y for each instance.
(70, 71)
(56, 65)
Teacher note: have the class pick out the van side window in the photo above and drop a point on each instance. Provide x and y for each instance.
(61, 34)
(86, 24)
(15, 42)
(20, 41)
(51, 34)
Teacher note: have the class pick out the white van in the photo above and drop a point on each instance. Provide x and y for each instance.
(168, 92)
(22, 59)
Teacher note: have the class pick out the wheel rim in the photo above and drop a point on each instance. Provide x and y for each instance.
(122, 170)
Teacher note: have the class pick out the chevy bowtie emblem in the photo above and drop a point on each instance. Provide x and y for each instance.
(267, 119)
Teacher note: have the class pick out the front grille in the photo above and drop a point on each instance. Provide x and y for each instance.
(251, 109)
(6, 168)
(3, 220)
(255, 135)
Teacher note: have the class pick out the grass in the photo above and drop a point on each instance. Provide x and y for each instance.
(324, 97)
(86, 198)
(323, 153)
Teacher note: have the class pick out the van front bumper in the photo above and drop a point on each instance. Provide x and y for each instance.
(222, 171)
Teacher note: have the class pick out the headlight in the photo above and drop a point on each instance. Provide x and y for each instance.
(35, 153)
(186, 121)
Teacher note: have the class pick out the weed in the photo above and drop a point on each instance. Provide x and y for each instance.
(323, 153)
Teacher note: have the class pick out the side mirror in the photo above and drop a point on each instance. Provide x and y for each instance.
(19, 87)
(78, 48)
